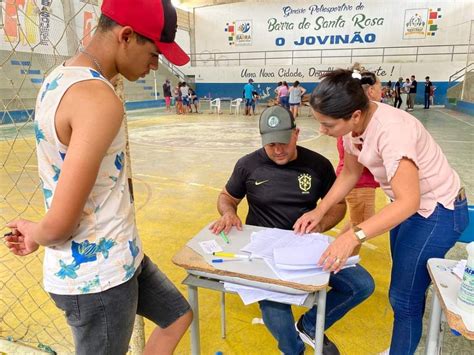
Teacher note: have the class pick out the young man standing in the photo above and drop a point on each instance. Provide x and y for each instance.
(398, 93)
(428, 88)
(248, 97)
(94, 266)
(412, 93)
(282, 181)
(167, 94)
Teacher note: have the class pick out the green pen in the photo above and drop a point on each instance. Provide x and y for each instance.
(226, 239)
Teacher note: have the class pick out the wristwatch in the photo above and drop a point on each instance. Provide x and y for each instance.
(360, 234)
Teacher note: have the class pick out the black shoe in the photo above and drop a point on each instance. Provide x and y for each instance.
(329, 348)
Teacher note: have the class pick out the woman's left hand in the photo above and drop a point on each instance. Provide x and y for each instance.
(336, 255)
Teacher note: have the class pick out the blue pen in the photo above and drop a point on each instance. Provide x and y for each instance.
(225, 260)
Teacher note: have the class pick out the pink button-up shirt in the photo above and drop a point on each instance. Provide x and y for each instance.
(393, 134)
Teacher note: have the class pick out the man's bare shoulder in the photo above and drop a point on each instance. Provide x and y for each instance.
(94, 94)
(90, 104)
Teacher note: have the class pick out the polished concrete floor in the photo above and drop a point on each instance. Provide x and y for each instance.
(180, 163)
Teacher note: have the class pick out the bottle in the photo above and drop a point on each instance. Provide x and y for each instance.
(465, 299)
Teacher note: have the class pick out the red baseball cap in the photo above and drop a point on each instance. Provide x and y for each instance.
(153, 19)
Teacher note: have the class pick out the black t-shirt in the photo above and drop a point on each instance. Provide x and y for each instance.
(414, 84)
(428, 86)
(166, 90)
(397, 88)
(279, 194)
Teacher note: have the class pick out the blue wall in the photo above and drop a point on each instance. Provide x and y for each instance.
(15, 116)
(234, 90)
(7, 117)
(462, 106)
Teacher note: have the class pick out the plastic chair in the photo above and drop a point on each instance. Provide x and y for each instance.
(236, 105)
(215, 104)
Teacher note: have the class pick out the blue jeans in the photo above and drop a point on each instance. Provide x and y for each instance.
(427, 100)
(412, 243)
(284, 101)
(349, 288)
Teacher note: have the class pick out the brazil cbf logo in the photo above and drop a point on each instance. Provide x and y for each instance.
(304, 181)
(239, 33)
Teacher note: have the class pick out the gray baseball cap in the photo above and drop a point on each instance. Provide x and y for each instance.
(276, 125)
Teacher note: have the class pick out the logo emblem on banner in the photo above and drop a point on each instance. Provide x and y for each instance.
(414, 25)
(239, 33)
(433, 17)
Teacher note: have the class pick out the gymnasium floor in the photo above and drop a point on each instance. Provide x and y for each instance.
(180, 163)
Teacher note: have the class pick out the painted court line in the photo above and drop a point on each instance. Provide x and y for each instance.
(456, 118)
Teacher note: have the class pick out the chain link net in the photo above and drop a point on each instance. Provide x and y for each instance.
(35, 37)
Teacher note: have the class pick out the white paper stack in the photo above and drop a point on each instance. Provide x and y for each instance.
(252, 294)
(291, 256)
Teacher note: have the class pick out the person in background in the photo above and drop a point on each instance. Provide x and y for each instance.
(248, 97)
(294, 98)
(184, 89)
(193, 100)
(428, 92)
(283, 93)
(255, 97)
(412, 93)
(406, 91)
(428, 211)
(432, 92)
(95, 268)
(277, 96)
(269, 178)
(167, 94)
(398, 93)
(177, 98)
(361, 199)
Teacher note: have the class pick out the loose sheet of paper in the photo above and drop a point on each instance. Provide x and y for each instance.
(262, 244)
(252, 294)
(459, 268)
(291, 274)
(210, 246)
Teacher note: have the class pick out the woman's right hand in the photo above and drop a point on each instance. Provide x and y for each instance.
(307, 223)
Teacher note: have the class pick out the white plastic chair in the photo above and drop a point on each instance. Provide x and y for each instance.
(216, 103)
(235, 104)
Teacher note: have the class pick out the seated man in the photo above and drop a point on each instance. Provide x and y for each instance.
(282, 181)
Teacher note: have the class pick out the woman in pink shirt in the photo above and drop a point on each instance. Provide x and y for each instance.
(361, 199)
(428, 210)
(283, 93)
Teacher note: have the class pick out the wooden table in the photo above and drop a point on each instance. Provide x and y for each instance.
(257, 274)
(445, 289)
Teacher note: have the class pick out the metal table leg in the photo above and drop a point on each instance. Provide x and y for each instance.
(432, 340)
(320, 318)
(222, 315)
(193, 301)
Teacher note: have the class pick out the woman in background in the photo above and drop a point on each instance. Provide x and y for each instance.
(294, 97)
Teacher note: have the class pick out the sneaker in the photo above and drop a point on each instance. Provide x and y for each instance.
(329, 348)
